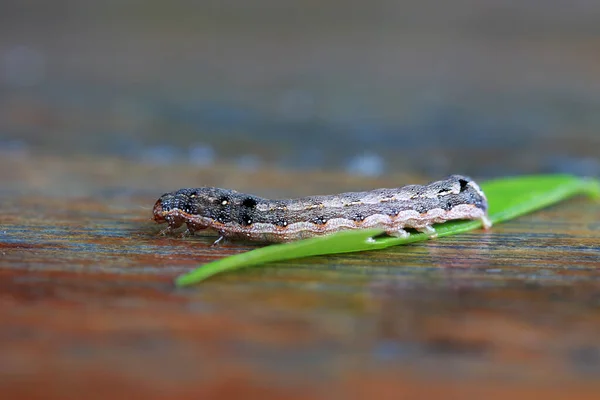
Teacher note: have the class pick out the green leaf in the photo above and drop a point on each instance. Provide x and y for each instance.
(508, 198)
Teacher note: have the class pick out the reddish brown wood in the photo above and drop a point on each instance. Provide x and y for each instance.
(88, 309)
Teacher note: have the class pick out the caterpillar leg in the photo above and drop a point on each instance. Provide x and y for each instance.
(399, 233)
(187, 232)
(487, 224)
(166, 232)
(218, 241)
(428, 230)
(173, 223)
(191, 229)
(169, 229)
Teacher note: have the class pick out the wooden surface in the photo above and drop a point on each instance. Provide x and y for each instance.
(88, 309)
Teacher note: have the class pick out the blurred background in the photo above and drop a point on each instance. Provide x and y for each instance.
(107, 104)
(484, 87)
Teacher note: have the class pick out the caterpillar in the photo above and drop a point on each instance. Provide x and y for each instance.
(236, 215)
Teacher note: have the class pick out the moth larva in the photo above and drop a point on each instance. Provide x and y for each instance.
(242, 216)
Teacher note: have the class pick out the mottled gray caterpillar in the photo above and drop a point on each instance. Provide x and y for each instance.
(242, 216)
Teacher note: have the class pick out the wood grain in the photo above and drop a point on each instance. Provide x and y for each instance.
(87, 304)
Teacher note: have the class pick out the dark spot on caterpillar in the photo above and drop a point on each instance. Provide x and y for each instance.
(281, 222)
(245, 220)
(249, 202)
(359, 218)
(448, 206)
(394, 212)
(421, 208)
(319, 220)
(479, 203)
(463, 184)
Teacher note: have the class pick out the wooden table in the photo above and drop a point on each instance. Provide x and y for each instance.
(88, 308)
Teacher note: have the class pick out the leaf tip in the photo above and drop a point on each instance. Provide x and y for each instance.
(185, 280)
